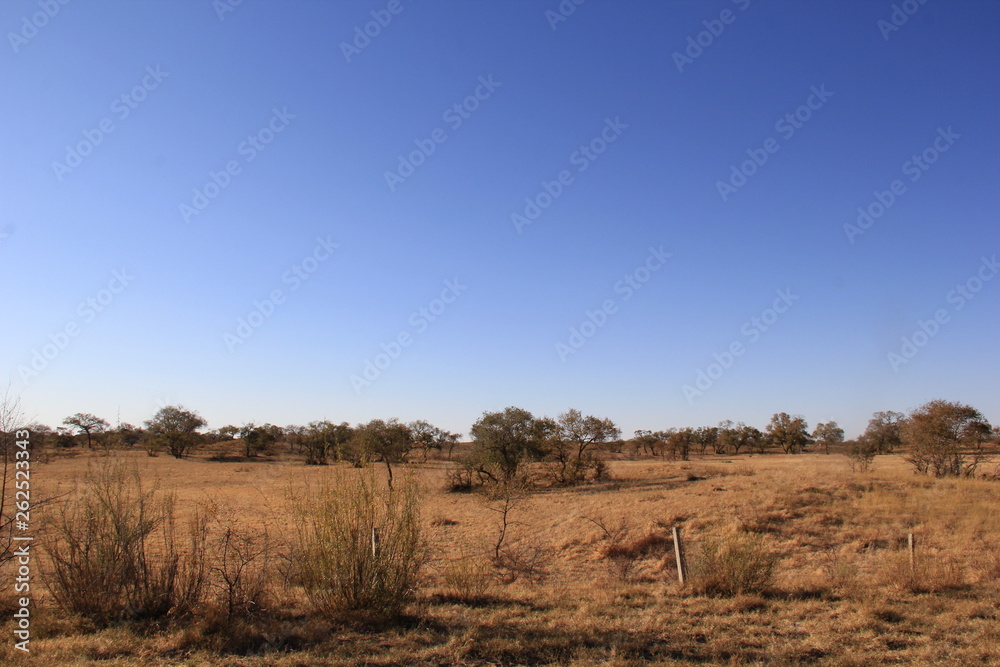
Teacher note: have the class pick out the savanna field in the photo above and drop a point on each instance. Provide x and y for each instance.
(790, 559)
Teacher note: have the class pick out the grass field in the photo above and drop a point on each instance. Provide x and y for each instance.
(596, 582)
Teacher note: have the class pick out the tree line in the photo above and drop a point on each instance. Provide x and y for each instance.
(940, 438)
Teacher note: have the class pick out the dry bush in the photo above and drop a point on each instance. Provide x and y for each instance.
(986, 563)
(623, 552)
(469, 579)
(113, 546)
(894, 572)
(744, 469)
(359, 544)
(523, 559)
(243, 569)
(736, 564)
(861, 457)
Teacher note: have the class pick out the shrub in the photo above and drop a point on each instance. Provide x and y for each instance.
(359, 545)
(243, 567)
(113, 546)
(861, 456)
(468, 579)
(733, 565)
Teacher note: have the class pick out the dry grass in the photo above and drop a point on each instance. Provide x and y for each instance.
(842, 593)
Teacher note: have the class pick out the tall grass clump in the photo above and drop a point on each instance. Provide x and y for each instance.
(733, 565)
(114, 549)
(359, 544)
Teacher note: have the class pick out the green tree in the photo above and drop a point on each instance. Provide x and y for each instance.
(175, 429)
(229, 432)
(258, 440)
(651, 442)
(426, 437)
(681, 442)
(789, 433)
(503, 441)
(87, 423)
(734, 437)
(127, 435)
(828, 435)
(571, 449)
(386, 441)
(945, 438)
(323, 439)
(884, 432)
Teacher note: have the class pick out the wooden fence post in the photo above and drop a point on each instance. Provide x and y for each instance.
(911, 544)
(679, 555)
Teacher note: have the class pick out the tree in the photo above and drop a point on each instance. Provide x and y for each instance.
(127, 435)
(828, 435)
(734, 437)
(945, 438)
(258, 439)
(571, 447)
(426, 437)
(883, 433)
(705, 437)
(175, 429)
(680, 442)
(725, 435)
(649, 441)
(503, 441)
(386, 441)
(323, 439)
(789, 433)
(229, 432)
(87, 423)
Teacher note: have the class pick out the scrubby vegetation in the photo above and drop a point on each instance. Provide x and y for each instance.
(559, 549)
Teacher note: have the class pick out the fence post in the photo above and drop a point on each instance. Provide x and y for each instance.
(679, 555)
(374, 542)
(911, 543)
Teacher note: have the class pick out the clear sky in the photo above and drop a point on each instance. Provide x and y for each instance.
(239, 206)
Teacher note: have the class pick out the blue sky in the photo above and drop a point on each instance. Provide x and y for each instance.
(166, 168)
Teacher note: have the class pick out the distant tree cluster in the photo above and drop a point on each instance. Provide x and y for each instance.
(940, 438)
